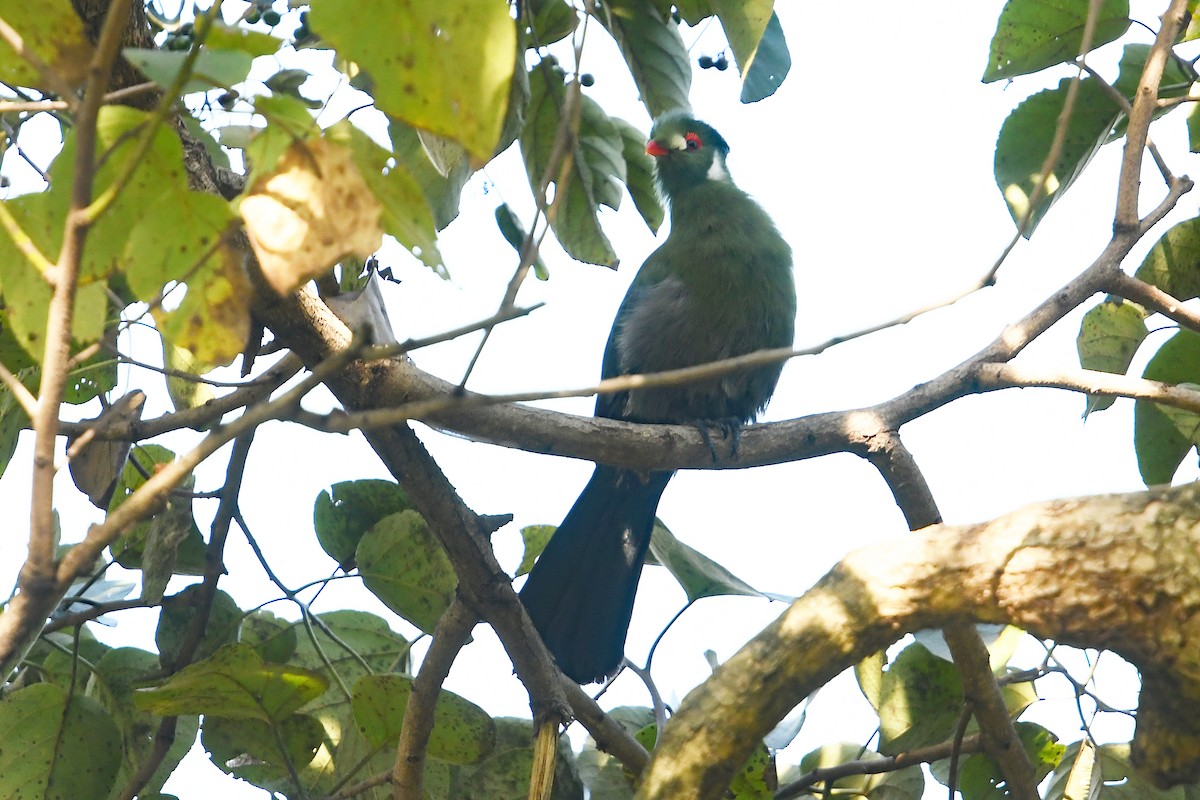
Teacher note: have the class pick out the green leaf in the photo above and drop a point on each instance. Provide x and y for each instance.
(698, 574)
(751, 781)
(552, 21)
(597, 169)
(639, 174)
(515, 234)
(1025, 140)
(603, 775)
(920, 701)
(273, 639)
(406, 215)
(1034, 34)
(442, 192)
(462, 733)
(654, 50)
(1109, 336)
(869, 675)
(1193, 128)
(372, 646)
(235, 683)
(1176, 81)
(58, 747)
(403, 565)
(504, 775)
(535, 537)
(980, 779)
(453, 83)
(26, 292)
(13, 420)
(178, 615)
(118, 673)
(770, 66)
(214, 68)
(1120, 780)
(343, 515)
(1173, 263)
(1163, 435)
(232, 37)
(52, 31)
(343, 646)
(250, 749)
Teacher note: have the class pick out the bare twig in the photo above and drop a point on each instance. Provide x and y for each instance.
(875, 766)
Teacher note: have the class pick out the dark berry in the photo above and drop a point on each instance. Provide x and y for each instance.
(253, 16)
(271, 17)
(705, 62)
(186, 29)
(227, 99)
(587, 79)
(722, 63)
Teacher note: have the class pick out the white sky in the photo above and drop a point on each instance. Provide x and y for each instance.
(875, 159)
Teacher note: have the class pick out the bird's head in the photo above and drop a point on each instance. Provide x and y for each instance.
(686, 152)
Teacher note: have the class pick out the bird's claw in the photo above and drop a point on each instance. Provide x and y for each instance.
(729, 427)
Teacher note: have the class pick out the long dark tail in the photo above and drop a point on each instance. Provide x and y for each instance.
(580, 592)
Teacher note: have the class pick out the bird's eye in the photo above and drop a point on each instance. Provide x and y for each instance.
(693, 141)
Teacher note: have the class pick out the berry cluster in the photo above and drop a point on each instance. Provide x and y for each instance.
(181, 38)
(262, 11)
(708, 62)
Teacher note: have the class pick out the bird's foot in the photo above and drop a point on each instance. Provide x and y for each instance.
(729, 427)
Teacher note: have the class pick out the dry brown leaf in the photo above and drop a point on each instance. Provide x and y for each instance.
(312, 211)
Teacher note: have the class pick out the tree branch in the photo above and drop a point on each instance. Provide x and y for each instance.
(1115, 572)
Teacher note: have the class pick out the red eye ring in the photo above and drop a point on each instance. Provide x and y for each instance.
(693, 141)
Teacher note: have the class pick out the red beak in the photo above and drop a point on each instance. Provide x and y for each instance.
(655, 149)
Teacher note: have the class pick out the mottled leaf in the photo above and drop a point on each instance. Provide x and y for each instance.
(1109, 336)
(342, 515)
(403, 565)
(235, 683)
(1034, 34)
(448, 65)
(462, 733)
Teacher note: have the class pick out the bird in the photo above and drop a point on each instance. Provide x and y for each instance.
(720, 285)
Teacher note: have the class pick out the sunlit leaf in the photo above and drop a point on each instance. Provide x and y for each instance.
(53, 32)
(235, 683)
(454, 82)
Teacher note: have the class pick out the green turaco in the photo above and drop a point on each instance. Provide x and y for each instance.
(719, 286)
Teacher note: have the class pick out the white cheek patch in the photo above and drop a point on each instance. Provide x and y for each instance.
(716, 170)
(677, 142)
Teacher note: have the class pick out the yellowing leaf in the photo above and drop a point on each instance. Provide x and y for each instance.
(312, 211)
(51, 30)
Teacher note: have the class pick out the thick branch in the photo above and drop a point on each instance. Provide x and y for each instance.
(1114, 572)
